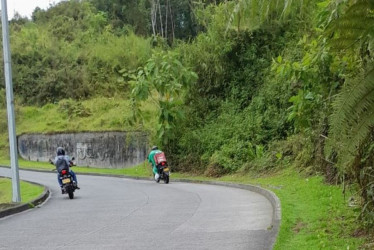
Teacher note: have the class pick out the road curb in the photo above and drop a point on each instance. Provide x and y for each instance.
(273, 199)
(25, 206)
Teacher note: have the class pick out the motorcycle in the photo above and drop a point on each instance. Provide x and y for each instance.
(163, 172)
(68, 184)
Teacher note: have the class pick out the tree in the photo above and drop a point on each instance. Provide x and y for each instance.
(169, 19)
(122, 13)
(163, 80)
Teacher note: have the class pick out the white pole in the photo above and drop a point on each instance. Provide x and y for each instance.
(10, 104)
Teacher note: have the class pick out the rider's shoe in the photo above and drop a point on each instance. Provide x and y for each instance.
(76, 185)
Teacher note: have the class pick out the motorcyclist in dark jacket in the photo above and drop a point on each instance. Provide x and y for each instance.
(62, 161)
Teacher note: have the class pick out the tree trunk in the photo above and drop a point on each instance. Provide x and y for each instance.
(160, 14)
(166, 18)
(172, 23)
(153, 16)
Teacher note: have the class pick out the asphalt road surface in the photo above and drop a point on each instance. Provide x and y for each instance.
(117, 213)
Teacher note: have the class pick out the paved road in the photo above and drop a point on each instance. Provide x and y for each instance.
(116, 213)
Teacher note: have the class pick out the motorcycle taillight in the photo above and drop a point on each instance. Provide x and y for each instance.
(64, 172)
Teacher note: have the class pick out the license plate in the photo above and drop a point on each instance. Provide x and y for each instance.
(64, 181)
(166, 169)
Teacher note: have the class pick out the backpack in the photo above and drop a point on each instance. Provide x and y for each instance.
(61, 164)
(160, 157)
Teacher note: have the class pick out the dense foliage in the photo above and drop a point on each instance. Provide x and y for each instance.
(262, 84)
(71, 51)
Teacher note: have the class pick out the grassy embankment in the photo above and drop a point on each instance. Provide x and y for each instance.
(28, 192)
(314, 215)
(100, 114)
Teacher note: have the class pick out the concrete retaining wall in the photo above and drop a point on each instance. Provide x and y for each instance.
(98, 149)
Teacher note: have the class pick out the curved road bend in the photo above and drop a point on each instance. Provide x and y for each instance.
(117, 213)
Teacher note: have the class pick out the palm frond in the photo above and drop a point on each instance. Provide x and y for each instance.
(354, 26)
(353, 117)
(256, 12)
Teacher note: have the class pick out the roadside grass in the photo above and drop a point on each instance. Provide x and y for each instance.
(314, 215)
(28, 192)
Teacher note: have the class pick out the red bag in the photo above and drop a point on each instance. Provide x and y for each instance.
(160, 157)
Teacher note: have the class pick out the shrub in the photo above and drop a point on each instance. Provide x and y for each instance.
(73, 109)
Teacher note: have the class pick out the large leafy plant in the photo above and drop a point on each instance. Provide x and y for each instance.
(162, 81)
(251, 14)
(351, 31)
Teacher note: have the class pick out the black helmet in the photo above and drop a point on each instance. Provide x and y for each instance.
(154, 148)
(60, 151)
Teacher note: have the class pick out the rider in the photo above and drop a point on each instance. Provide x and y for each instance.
(151, 159)
(60, 155)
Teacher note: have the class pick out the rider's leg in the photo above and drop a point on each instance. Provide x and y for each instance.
(59, 180)
(74, 178)
(73, 175)
(155, 170)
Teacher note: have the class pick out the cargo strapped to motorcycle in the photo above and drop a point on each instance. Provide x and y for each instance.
(159, 158)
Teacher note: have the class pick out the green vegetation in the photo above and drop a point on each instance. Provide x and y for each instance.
(226, 88)
(97, 114)
(314, 215)
(28, 191)
(164, 79)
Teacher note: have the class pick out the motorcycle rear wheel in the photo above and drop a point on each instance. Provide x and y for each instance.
(70, 191)
(166, 178)
(71, 195)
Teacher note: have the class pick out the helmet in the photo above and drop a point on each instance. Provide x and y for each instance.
(60, 151)
(154, 148)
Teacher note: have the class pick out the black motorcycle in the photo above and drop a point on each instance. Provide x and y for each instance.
(68, 184)
(164, 172)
